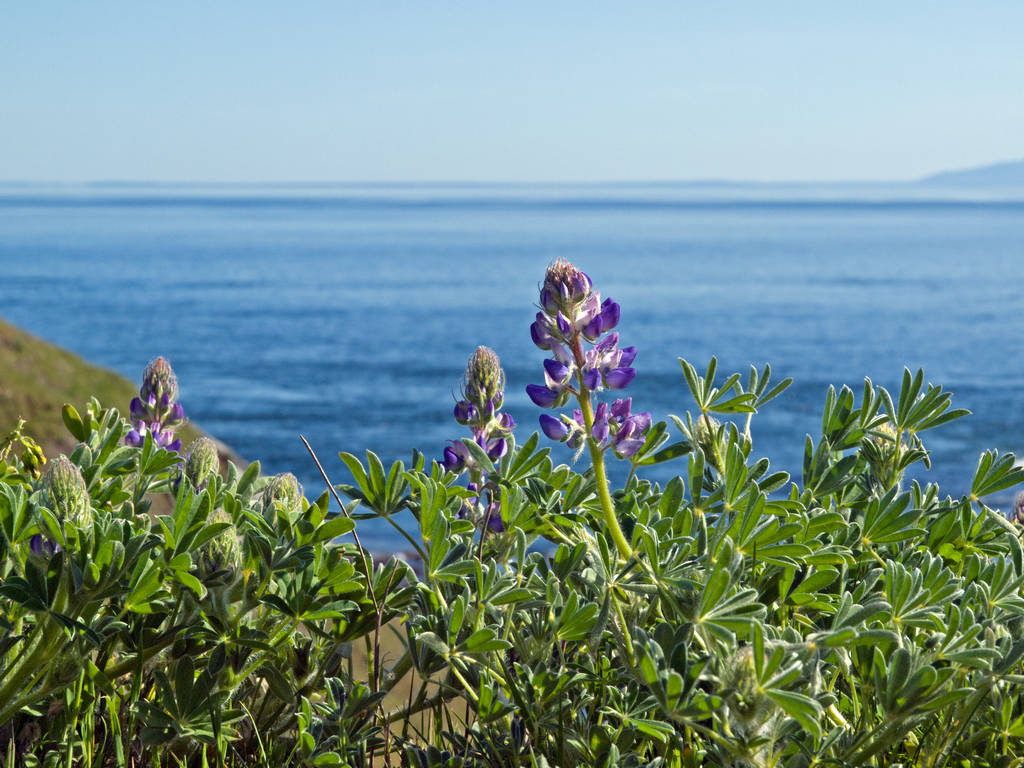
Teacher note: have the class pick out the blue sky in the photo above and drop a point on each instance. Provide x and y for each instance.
(261, 91)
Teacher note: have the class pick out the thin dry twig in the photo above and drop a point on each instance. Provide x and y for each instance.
(364, 558)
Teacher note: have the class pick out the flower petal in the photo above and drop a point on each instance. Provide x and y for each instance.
(555, 371)
(497, 448)
(619, 378)
(554, 428)
(609, 314)
(541, 395)
(626, 448)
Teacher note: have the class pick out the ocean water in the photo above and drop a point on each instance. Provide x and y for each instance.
(347, 313)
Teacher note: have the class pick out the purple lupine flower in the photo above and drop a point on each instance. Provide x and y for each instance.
(619, 378)
(479, 409)
(41, 546)
(540, 331)
(554, 427)
(154, 411)
(494, 521)
(465, 413)
(496, 448)
(629, 437)
(456, 456)
(542, 396)
(1018, 509)
(492, 513)
(572, 315)
(601, 429)
(609, 315)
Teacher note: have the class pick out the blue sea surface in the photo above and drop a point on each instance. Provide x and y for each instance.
(347, 313)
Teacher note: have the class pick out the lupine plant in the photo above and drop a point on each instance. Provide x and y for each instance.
(217, 633)
(731, 616)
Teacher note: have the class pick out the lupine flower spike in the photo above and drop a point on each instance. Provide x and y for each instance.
(155, 411)
(66, 495)
(482, 396)
(202, 462)
(573, 315)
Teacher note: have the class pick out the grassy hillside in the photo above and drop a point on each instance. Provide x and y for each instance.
(37, 378)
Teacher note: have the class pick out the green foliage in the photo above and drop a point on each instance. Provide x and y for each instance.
(850, 618)
(204, 634)
(853, 619)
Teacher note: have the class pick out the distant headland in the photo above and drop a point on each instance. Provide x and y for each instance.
(1007, 174)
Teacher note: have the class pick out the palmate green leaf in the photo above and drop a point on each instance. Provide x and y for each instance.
(383, 493)
(332, 529)
(800, 707)
(728, 398)
(758, 385)
(888, 521)
(577, 619)
(995, 473)
(524, 460)
(824, 476)
(722, 615)
(483, 641)
(917, 412)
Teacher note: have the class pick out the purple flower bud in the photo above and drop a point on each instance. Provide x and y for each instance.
(593, 329)
(549, 301)
(626, 357)
(554, 428)
(555, 373)
(540, 331)
(565, 284)
(134, 438)
(563, 324)
(542, 396)
(137, 410)
(592, 379)
(619, 378)
(41, 546)
(177, 413)
(497, 448)
(494, 522)
(506, 422)
(452, 461)
(600, 430)
(158, 380)
(464, 412)
(609, 314)
(174, 446)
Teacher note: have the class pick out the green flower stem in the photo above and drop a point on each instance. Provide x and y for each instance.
(597, 461)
